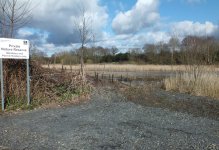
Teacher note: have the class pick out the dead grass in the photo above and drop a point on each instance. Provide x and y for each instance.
(47, 86)
(204, 84)
(123, 67)
(118, 67)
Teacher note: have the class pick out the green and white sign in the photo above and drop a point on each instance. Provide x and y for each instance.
(14, 48)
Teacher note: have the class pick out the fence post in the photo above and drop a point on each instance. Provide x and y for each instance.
(130, 81)
(112, 78)
(62, 66)
(71, 67)
(97, 76)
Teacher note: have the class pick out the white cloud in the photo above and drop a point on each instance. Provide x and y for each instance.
(23, 32)
(144, 14)
(55, 18)
(50, 48)
(159, 36)
(181, 29)
(52, 28)
(184, 28)
(126, 41)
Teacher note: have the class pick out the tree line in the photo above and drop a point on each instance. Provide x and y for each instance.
(191, 50)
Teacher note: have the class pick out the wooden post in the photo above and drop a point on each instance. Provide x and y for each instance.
(112, 78)
(121, 77)
(71, 67)
(97, 76)
(62, 66)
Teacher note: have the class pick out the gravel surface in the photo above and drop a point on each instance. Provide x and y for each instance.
(107, 121)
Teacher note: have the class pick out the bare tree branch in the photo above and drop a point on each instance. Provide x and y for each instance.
(14, 15)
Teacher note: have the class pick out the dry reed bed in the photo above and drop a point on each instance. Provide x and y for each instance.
(203, 84)
(186, 80)
(126, 67)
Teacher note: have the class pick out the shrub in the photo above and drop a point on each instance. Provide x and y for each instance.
(47, 85)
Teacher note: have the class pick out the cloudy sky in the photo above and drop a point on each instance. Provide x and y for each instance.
(121, 23)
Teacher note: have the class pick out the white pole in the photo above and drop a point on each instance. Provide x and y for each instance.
(28, 83)
(2, 86)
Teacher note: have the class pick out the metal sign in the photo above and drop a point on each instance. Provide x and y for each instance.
(14, 49)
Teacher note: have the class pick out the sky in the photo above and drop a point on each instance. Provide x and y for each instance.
(121, 23)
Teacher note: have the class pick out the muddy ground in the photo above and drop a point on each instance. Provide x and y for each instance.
(111, 120)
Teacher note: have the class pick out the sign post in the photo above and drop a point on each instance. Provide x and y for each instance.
(14, 49)
(28, 83)
(2, 86)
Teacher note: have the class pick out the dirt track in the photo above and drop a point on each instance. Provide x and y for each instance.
(107, 121)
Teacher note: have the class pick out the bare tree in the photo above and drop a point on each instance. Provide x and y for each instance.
(114, 50)
(210, 50)
(83, 26)
(174, 44)
(2, 16)
(14, 14)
